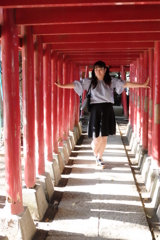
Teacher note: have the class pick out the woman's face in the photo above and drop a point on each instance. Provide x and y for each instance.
(99, 72)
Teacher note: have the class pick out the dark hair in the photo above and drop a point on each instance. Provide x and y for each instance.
(107, 77)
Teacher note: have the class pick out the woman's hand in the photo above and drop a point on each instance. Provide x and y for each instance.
(58, 84)
(146, 83)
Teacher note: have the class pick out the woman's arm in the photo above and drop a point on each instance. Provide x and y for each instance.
(69, 85)
(137, 85)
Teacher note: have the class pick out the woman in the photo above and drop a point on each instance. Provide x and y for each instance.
(102, 119)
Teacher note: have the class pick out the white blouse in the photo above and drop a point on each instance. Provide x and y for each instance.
(102, 92)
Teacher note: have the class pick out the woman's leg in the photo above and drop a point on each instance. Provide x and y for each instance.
(101, 148)
(96, 145)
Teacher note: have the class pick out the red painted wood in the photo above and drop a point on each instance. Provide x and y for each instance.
(150, 115)
(60, 120)
(103, 46)
(54, 101)
(72, 99)
(89, 28)
(84, 92)
(135, 98)
(150, 109)
(145, 104)
(11, 111)
(70, 15)
(39, 108)
(63, 3)
(138, 102)
(130, 97)
(104, 38)
(47, 102)
(65, 101)
(77, 112)
(141, 94)
(156, 101)
(28, 106)
(124, 98)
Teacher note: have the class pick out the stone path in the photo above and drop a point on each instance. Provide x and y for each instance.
(100, 204)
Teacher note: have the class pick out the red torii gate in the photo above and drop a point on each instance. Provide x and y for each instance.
(72, 34)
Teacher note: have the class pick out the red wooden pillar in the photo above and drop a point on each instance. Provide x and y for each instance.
(138, 101)
(156, 104)
(145, 104)
(54, 102)
(28, 106)
(124, 97)
(69, 80)
(141, 95)
(60, 120)
(39, 109)
(77, 97)
(150, 117)
(67, 96)
(84, 92)
(65, 101)
(47, 102)
(133, 79)
(11, 110)
(131, 97)
(135, 98)
(72, 100)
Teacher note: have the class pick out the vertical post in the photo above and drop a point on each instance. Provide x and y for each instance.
(39, 110)
(72, 100)
(130, 98)
(60, 120)
(150, 117)
(77, 98)
(84, 92)
(135, 99)
(28, 106)
(156, 104)
(54, 101)
(145, 104)
(65, 103)
(124, 98)
(11, 108)
(141, 95)
(138, 102)
(47, 102)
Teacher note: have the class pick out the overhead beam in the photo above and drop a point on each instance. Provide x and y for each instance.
(71, 3)
(108, 62)
(103, 46)
(107, 55)
(94, 28)
(71, 15)
(103, 37)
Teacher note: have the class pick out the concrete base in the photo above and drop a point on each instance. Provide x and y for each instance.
(80, 128)
(47, 185)
(76, 132)
(59, 160)
(53, 169)
(35, 200)
(64, 153)
(142, 152)
(155, 193)
(17, 227)
(68, 148)
(135, 144)
(146, 164)
(72, 139)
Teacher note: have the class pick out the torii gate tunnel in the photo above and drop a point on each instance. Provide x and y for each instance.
(59, 40)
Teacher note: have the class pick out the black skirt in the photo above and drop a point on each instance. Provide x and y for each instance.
(102, 120)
